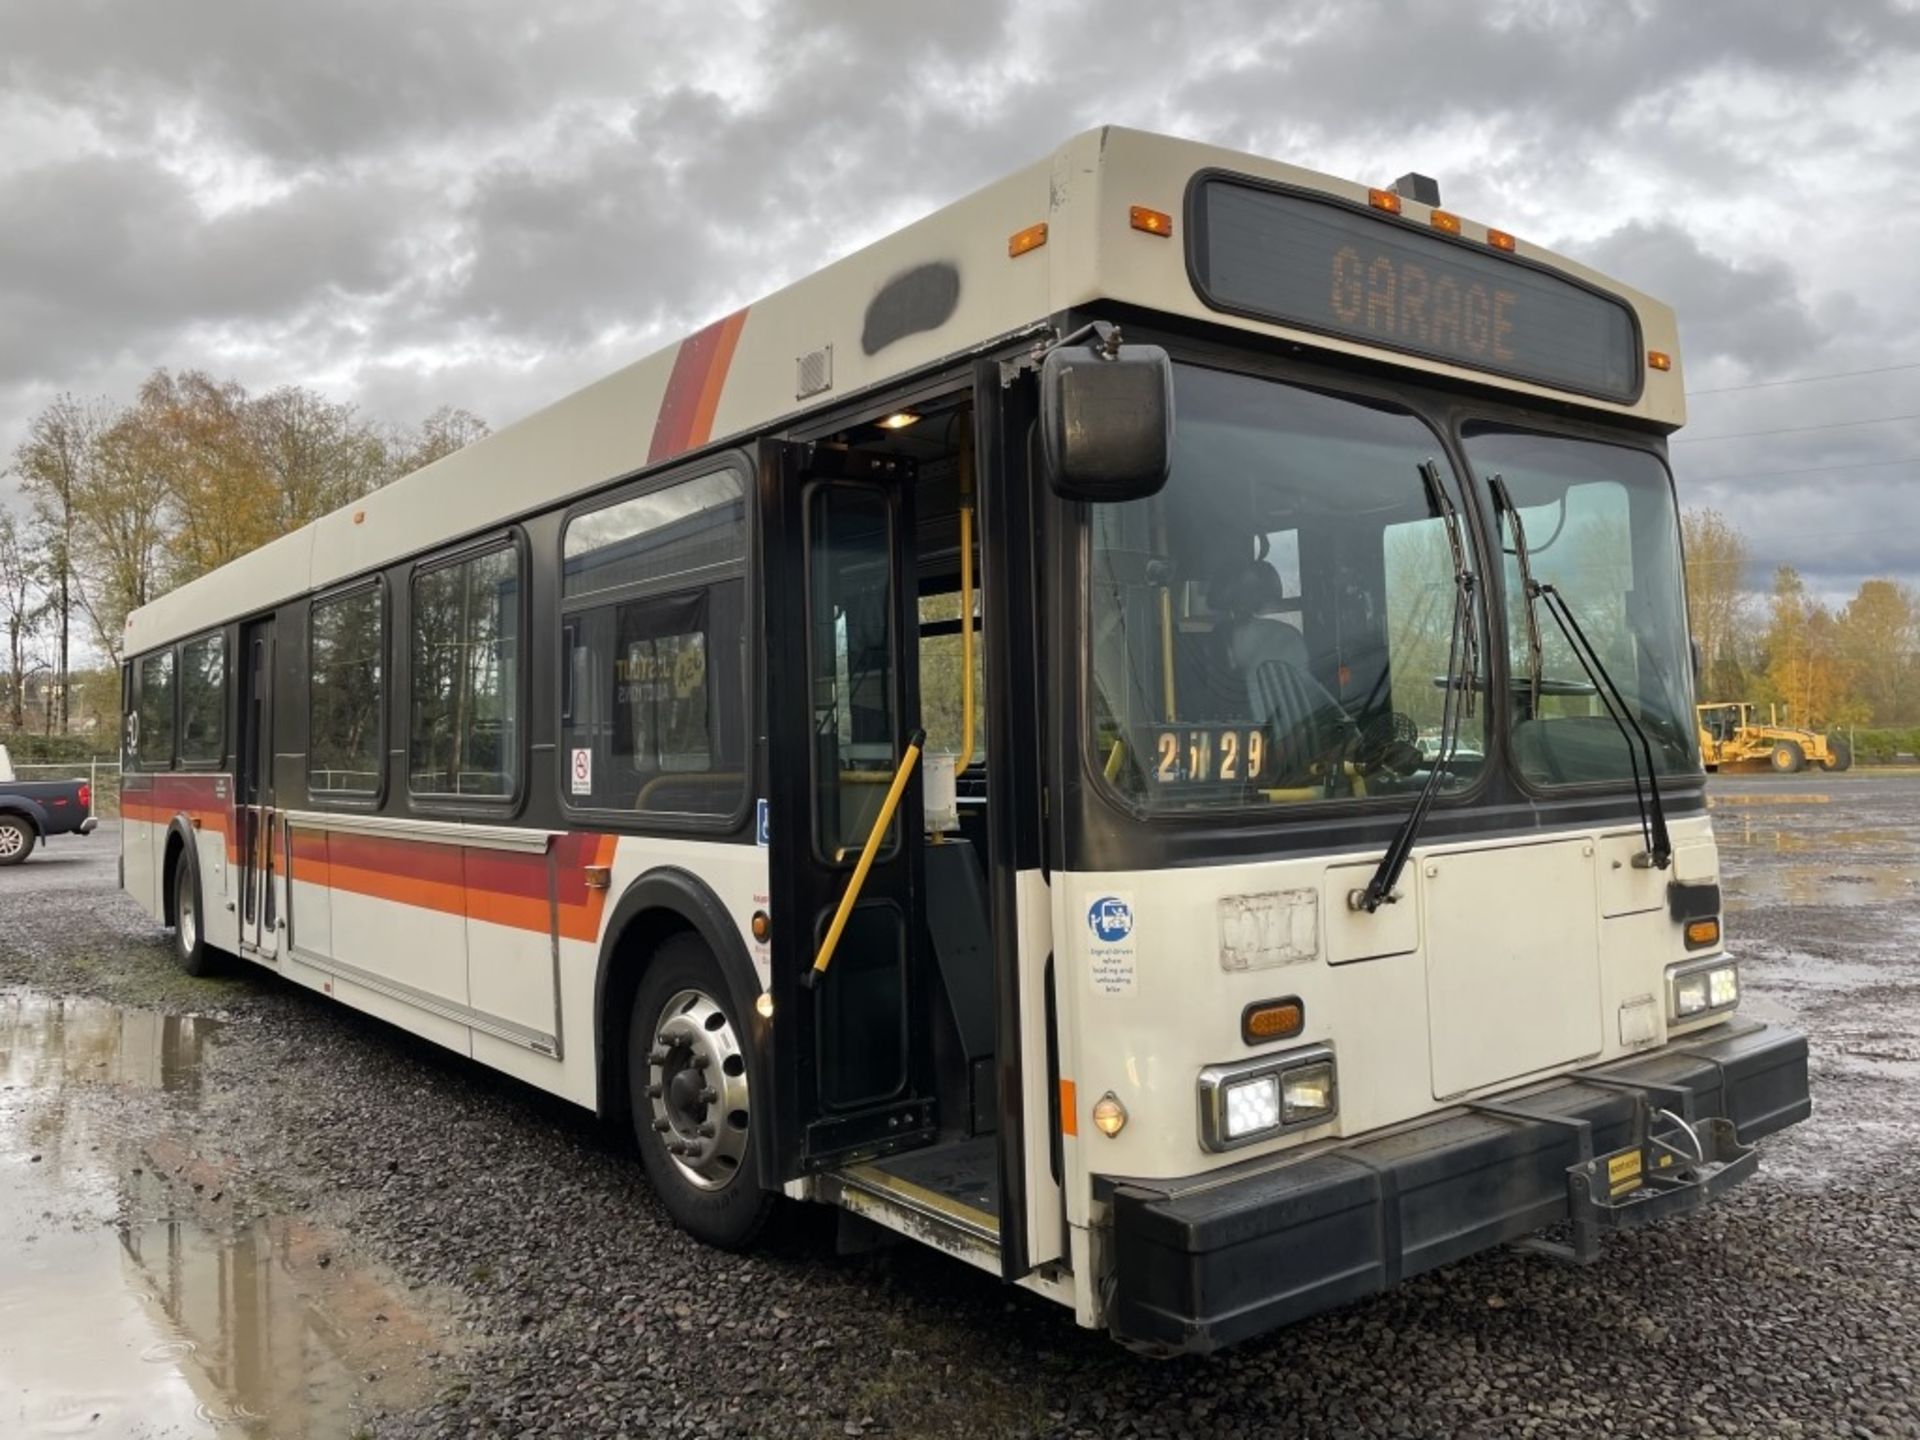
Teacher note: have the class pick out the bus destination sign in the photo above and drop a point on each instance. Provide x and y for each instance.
(1322, 265)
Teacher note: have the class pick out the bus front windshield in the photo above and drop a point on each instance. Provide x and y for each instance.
(1601, 530)
(1277, 625)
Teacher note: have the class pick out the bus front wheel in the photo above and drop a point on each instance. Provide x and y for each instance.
(688, 1072)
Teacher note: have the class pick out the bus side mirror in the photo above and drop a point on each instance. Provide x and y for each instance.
(1106, 419)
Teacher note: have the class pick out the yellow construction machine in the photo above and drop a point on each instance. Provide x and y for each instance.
(1731, 737)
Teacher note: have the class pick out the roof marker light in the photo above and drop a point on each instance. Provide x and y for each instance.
(1445, 221)
(1154, 222)
(1384, 200)
(1031, 238)
(1659, 360)
(1499, 239)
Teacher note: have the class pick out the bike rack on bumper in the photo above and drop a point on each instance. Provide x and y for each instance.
(1212, 1259)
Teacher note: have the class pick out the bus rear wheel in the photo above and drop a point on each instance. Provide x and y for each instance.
(1788, 757)
(688, 1071)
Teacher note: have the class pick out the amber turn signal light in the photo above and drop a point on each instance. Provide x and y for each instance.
(1266, 1020)
(1109, 1115)
(1659, 360)
(1702, 933)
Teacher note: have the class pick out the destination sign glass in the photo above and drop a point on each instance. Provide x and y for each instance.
(1321, 265)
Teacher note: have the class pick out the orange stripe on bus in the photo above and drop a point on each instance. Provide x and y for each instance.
(693, 388)
(1069, 1118)
(703, 413)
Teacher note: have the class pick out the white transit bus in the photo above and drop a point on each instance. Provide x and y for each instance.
(1138, 731)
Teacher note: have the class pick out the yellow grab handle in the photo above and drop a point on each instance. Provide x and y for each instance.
(872, 848)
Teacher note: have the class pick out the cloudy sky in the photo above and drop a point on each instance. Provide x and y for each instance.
(489, 202)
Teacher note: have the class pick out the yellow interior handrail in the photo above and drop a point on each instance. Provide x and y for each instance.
(872, 848)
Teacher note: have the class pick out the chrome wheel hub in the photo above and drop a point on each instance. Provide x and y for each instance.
(697, 1089)
(187, 920)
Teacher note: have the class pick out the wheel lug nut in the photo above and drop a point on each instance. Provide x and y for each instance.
(663, 1124)
(653, 1092)
(708, 1096)
(700, 1062)
(657, 1057)
(705, 1132)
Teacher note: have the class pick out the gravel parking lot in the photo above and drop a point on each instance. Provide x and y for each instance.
(229, 1203)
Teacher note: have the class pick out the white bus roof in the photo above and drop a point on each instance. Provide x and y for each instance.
(942, 288)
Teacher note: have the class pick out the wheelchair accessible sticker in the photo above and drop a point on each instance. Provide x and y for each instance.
(1110, 944)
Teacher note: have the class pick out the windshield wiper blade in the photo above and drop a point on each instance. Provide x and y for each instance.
(1461, 678)
(1503, 505)
(1653, 815)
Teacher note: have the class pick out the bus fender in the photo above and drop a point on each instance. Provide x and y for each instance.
(683, 895)
(179, 832)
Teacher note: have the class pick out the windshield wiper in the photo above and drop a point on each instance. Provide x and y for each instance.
(1503, 505)
(1646, 796)
(1461, 680)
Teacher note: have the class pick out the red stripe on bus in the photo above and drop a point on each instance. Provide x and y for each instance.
(693, 389)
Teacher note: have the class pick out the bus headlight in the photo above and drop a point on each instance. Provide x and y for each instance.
(1258, 1099)
(1706, 988)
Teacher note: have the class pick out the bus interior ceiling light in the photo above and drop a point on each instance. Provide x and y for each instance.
(899, 420)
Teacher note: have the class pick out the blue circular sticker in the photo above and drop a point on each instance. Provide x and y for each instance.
(1111, 919)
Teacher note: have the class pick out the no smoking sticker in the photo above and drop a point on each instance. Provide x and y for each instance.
(583, 772)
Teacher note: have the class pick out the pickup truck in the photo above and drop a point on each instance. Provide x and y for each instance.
(35, 810)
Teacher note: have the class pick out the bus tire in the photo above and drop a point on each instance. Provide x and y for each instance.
(688, 1079)
(190, 946)
(17, 839)
(1788, 758)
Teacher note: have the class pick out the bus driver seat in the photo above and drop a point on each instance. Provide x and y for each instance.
(1271, 655)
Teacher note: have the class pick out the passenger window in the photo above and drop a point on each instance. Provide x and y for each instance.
(154, 744)
(345, 694)
(465, 711)
(659, 536)
(203, 700)
(656, 695)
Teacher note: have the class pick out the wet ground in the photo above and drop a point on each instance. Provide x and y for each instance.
(230, 1207)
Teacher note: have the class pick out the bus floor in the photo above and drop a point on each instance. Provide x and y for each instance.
(957, 1182)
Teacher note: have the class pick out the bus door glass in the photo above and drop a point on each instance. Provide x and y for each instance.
(254, 801)
(841, 633)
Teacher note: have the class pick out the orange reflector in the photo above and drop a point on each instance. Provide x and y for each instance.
(1154, 222)
(1499, 239)
(1031, 238)
(1069, 1115)
(1659, 360)
(1701, 933)
(1384, 200)
(762, 925)
(1266, 1020)
(1445, 220)
(598, 877)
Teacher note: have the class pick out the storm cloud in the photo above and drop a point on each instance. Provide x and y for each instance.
(486, 203)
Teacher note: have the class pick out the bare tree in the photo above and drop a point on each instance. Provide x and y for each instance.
(446, 430)
(52, 464)
(23, 606)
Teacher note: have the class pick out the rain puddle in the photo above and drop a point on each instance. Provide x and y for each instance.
(1841, 883)
(140, 1294)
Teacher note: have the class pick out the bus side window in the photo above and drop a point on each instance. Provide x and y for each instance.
(155, 744)
(466, 693)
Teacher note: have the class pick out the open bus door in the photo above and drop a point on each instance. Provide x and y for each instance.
(853, 1065)
(254, 800)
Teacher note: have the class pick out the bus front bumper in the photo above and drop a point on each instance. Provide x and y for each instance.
(1208, 1261)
